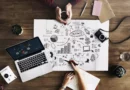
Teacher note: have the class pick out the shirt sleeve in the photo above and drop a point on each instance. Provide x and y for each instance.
(73, 2)
(50, 3)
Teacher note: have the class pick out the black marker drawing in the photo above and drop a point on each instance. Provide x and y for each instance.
(46, 45)
(53, 45)
(64, 43)
(55, 26)
(97, 50)
(48, 31)
(93, 58)
(86, 48)
(75, 40)
(94, 45)
(65, 50)
(67, 32)
(82, 23)
(87, 31)
(87, 40)
(57, 31)
(61, 60)
(99, 45)
(87, 61)
(55, 58)
(91, 36)
(76, 33)
(51, 54)
(54, 38)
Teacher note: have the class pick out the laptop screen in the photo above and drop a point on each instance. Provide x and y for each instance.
(25, 49)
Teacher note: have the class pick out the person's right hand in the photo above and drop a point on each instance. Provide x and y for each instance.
(58, 15)
(75, 67)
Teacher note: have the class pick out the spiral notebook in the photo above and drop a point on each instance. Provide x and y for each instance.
(90, 80)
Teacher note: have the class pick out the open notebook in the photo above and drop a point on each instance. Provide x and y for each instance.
(90, 80)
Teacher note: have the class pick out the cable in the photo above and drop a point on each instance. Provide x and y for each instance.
(115, 30)
(117, 25)
(119, 41)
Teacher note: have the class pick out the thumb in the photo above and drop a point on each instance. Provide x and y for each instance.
(67, 12)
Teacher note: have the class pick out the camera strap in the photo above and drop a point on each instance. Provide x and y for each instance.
(116, 29)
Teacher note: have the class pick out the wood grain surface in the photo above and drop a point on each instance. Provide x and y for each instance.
(23, 12)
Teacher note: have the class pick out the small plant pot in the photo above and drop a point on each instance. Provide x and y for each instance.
(17, 29)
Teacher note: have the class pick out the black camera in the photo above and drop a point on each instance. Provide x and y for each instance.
(100, 36)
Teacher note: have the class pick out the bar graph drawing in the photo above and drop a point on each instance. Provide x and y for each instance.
(65, 50)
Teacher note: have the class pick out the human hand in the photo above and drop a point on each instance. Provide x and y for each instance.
(75, 67)
(58, 15)
(69, 12)
(67, 79)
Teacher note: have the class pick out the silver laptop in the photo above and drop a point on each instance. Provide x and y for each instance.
(30, 58)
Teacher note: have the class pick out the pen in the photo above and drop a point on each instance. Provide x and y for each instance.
(71, 61)
(83, 9)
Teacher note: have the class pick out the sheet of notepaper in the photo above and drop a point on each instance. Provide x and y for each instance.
(91, 82)
(76, 41)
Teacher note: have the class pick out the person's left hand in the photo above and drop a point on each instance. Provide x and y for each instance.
(67, 79)
(69, 12)
(58, 15)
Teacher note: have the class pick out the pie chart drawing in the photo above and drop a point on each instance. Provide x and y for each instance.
(54, 38)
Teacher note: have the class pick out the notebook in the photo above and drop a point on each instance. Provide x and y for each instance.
(106, 11)
(90, 80)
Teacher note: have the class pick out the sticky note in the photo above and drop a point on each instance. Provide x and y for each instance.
(97, 8)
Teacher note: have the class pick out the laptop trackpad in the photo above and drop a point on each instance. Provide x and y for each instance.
(31, 74)
(46, 68)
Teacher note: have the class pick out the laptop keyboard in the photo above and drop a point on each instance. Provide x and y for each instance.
(32, 62)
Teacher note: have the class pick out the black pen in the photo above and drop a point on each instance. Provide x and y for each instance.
(71, 61)
(66, 61)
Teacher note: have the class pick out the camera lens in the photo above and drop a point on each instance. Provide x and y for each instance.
(6, 75)
(101, 37)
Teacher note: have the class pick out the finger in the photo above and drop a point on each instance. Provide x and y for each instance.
(58, 11)
(62, 21)
(67, 11)
(69, 74)
(69, 18)
(66, 75)
(72, 76)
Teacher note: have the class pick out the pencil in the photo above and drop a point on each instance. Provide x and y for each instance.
(83, 9)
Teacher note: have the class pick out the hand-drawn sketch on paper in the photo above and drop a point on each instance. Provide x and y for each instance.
(73, 41)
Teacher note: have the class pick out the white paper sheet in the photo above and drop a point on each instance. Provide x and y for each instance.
(74, 41)
(90, 80)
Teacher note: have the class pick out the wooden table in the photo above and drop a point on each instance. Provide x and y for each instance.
(23, 12)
